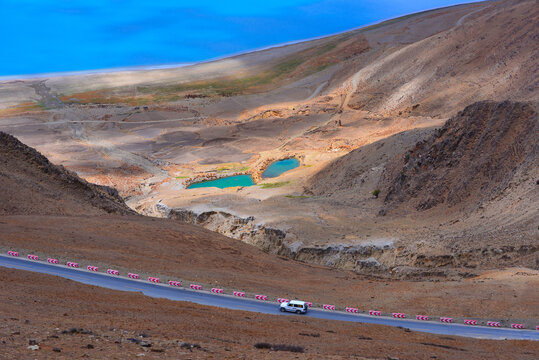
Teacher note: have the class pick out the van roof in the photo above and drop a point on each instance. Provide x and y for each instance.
(297, 302)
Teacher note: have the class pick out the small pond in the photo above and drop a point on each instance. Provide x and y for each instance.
(279, 167)
(225, 182)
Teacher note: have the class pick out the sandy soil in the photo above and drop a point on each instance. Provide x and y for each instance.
(86, 321)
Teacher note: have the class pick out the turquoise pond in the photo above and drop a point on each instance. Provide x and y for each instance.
(274, 170)
(279, 167)
(230, 181)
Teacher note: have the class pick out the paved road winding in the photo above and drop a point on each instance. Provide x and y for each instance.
(234, 303)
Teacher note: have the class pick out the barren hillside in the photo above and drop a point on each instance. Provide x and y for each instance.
(490, 55)
(30, 184)
(484, 150)
(345, 106)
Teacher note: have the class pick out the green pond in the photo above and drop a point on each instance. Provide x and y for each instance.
(279, 167)
(225, 182)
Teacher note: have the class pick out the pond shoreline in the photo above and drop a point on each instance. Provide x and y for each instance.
(255, 174)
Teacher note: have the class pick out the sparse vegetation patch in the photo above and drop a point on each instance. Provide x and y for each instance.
(274, 185)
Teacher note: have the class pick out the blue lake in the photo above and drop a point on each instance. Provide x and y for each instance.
(279, 167)
(230, 181)
(79, 35)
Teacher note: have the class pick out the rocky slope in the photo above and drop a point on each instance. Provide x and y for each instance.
(490, 55)
(471, 160)
(467, 191)
(31, 184)
(355, 175)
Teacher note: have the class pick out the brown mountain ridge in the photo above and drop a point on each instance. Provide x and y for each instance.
(31, 184)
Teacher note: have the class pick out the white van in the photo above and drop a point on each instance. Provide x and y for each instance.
(299, 307)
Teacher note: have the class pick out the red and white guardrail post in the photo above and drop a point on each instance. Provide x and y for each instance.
(216, 290)
(133, 276)
(399, 315)
(470, 322)
(175, 283)
(195, 287)
(351, 310)
(328, 307)
(422, 317)
(493, 323)
(153, 279)
(446, 319)
(113, 272)
(72, 264)
(309, 304)
(52, 261)
(33, 257)
(261, 297)
(517, 326)
(13, 253)
(92, 268)
(375, 313)
(282, 300)
(239, 293)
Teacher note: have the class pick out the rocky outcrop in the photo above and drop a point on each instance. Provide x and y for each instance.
(382, 257)
(281, 242)
(470, 160)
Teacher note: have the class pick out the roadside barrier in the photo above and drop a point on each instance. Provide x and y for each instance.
(264, 297)
(537, 327)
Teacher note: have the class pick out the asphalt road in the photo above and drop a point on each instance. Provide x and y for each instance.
(265, 307)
